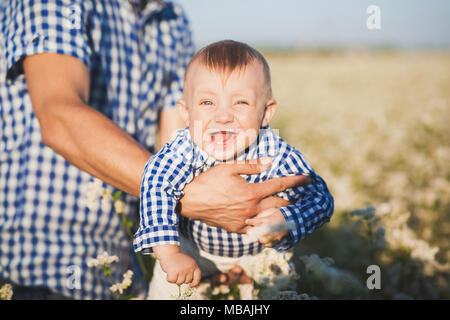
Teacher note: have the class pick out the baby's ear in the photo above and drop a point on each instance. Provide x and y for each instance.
(269, 111)
(183, 111)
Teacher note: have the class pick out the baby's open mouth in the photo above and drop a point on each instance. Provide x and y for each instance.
(223, 138)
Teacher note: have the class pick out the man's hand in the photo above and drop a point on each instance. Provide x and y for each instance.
(221, 197)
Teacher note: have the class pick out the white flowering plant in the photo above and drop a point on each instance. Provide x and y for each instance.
(97, 194)
(103, 261)
(6, 292)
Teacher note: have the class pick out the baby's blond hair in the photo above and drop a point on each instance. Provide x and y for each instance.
(228, 55)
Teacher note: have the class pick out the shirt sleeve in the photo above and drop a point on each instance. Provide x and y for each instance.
(31, 27)
(312, 206)
(164, 178)
(177, 37)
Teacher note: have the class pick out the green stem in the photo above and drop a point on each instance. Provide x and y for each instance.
(138, 254)
(107, 271)
(371, 241)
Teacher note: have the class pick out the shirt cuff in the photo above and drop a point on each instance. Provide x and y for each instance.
(149, 237)
(42, 42)
(292, 215)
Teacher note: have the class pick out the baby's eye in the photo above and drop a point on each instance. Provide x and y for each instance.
(206, 103)
(242, 102)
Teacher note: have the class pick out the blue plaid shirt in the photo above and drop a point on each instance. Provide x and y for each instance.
(178, 162)
(136, 62)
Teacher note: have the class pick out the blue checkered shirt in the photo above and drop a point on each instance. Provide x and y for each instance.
(178, 162)
(136, 62)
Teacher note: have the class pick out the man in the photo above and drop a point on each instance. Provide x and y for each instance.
(86, 87)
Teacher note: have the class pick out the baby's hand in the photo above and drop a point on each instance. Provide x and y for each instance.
(179, 267)
(271, 216)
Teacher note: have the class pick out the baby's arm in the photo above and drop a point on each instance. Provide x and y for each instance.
(179, 267)
(313, 208)
(164, 178)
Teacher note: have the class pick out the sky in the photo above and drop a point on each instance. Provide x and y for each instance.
(320, 23)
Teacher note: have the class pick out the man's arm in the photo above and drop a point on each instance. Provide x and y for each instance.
(59, 90)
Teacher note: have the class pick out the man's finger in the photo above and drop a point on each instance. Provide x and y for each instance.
(244, 229)
(250, 166)
(275, 185)
(266, 213)
(255, 221)
(272, 202)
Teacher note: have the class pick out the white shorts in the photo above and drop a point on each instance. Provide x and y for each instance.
(161, 289)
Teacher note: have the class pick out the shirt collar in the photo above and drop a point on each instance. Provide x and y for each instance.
(146, 8)
(266, 145)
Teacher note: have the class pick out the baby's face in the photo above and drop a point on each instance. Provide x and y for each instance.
(224, 114)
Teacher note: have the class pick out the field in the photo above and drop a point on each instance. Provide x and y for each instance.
(376, 127)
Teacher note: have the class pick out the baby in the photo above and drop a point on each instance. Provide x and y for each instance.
(227, 105)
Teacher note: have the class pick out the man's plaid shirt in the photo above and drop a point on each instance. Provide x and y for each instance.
(136, 63)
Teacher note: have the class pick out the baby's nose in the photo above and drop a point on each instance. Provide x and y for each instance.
(223, 114)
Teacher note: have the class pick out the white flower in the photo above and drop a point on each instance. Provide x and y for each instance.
(224, 289)
(271, 270)
(186, 293)
(246, 291)
(336, 280)
(95, 189)
(126, 282)
(119, 206)
(259, 231)
(102, 259)
(106, 199)
(95, 193)
(6, 292)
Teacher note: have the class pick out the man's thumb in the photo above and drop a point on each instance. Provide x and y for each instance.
(252, 166)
